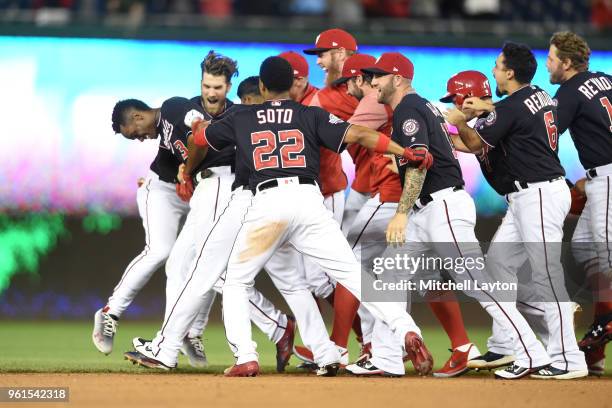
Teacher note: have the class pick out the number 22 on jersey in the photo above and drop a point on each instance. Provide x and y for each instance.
(268, 155)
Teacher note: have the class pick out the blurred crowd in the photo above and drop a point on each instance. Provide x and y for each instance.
(596, 12)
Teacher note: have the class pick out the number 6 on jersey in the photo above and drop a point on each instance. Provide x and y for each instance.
(267, 156)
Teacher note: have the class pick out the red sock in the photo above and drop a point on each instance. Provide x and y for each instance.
(345, 310)
(602, 294)
(602, 308)
(448, 313)
(357, 328)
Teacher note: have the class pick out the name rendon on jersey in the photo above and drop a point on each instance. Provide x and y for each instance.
(538, 101)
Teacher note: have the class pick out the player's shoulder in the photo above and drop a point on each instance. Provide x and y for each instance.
(415, 105)
(177, 101)
(178, 104)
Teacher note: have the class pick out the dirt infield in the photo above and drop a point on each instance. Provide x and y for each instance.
(165, 390)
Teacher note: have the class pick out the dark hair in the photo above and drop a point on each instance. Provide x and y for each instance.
(276, 74)
(122, 108)
(249, 86)
(217, 64)
(520, 59)
(367, 77)
(573, 47)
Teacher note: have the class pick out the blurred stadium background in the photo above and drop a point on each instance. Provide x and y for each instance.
(68, 217)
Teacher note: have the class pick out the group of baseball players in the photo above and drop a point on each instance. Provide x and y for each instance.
(260, 185)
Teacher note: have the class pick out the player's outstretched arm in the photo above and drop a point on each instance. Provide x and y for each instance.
(413, 184)
(381, 143)
(459, 145)
(468, 136)
(196, 153)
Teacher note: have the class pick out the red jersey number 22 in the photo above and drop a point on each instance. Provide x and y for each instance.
(265, 155)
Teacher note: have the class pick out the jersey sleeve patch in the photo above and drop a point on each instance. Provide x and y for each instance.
(410, 127)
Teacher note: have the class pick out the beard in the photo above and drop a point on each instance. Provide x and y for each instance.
(213, 105)
(556, 77)
(333, 73)
(499, 93)
(385, 93)
(357, 93)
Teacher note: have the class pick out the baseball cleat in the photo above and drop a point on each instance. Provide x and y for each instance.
(328, 370)
(550, 372)
(417, 353)
(366, 353)
(489, 361)
(304, 354)
(284, 347)
(364, 368)
(194, 350)
(105, 327)
(307, 366)
(141, 345)
(596, 360)
(146, 361)
(457, 363)
(515, 372)
(248, 369)
(598, 334)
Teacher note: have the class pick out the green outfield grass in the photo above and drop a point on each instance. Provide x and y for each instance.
(67, 347)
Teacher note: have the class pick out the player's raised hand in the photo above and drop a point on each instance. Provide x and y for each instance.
(477, 104)
(454, 116)
(396, 228)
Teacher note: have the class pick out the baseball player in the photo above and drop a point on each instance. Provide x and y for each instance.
(584, 105)
(215, 185)
(248, 91)
(287, 205)
(161, 212)
(169, 121)
(367, 234)
(217, 71)
(462, 87)
(524, 126)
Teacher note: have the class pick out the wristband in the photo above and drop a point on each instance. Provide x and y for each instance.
(199, 136)
(383, 143)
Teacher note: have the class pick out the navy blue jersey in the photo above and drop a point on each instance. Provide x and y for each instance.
(174, 127)
(524, 125)
(492, 164)
(165, 165)
(418, 123)
(584, 105)
(279, 138)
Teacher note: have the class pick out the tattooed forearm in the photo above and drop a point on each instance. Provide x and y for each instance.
(412, 189)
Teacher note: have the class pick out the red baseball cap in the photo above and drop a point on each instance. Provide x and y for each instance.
(330, 39)
(353, 66)
(392, 63)
(297, 62)
(465, 84)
